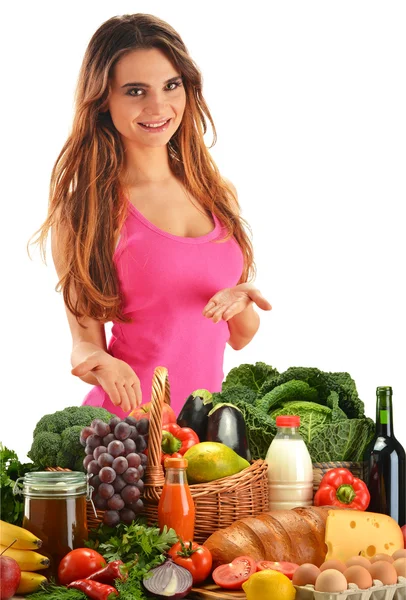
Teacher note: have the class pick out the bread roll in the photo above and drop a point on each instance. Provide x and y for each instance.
(295, 535)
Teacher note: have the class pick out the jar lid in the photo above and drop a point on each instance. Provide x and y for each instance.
(287, 421)
(55, 484)
(175, 463)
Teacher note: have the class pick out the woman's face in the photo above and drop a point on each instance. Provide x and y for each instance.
(141, 93)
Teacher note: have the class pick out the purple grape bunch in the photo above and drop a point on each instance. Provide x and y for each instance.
(116, 460)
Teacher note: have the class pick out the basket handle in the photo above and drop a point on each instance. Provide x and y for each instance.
(160, 395)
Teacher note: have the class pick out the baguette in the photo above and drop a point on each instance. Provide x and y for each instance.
(295, 535)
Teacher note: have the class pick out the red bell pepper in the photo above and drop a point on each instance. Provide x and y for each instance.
(340, 488)
(177, 440)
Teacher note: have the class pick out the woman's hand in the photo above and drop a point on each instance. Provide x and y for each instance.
(229, 302)
(115, 376)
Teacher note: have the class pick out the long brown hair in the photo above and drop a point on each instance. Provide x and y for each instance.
(85, 189)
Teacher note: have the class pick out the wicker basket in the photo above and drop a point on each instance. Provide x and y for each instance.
(319, 470)
(218, 503)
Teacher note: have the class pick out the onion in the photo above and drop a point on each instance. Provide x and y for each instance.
(169, 580)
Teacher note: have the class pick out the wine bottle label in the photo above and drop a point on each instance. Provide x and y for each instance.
(383, 417)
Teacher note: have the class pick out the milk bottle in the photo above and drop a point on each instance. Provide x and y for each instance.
(290, 469)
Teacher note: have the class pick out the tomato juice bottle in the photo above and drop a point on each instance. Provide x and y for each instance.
(176, 508)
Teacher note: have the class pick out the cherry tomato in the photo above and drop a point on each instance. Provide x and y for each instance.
(196, 559)
(232, 575)
(79, 564)
(287, 568)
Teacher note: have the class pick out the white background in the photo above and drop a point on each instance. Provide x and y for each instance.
(309, 104)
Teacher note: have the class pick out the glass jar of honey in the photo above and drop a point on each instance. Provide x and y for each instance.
(55, 511)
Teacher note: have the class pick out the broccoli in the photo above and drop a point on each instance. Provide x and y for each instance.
(44, 449)
(71, 448)
(52, 423)
(57, 437)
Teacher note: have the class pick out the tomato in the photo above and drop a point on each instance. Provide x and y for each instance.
(196, 559)
(287, 568)
(79, 564)
(232, 575)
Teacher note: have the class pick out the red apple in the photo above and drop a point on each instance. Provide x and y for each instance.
(10, 575)
(143, 412)
(403, 528)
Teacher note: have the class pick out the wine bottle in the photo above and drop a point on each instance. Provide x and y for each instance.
(385, 463)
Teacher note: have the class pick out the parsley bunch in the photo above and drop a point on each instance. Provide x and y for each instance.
(140, 547)
(11, 506)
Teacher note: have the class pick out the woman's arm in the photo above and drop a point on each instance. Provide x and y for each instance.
(85, 342)
(243, 327)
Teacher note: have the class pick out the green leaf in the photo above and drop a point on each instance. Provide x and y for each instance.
(250, 376)
(294, 389)
(342, 441)
(312, 416)
(333, 402)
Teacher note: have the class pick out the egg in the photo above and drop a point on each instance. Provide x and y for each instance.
(306, 574)
(358, 575)
(333, 564)
(399, 554)
(400, 566)
(331, 581)
(358, 560)
(384, 571)
(386, 557)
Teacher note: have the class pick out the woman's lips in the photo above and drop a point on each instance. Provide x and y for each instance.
(164, 127)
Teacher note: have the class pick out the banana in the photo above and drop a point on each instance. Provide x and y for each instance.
(30, 582)
(25, 539)
(28, 560)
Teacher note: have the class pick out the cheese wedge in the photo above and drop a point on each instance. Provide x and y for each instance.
(351, 533)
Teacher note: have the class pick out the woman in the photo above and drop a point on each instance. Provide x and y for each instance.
(145, 232)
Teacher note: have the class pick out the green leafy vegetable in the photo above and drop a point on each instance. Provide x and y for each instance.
(11, 506)
(312, 416)
(291, 390)
(249, 376)
(333, 422)
(347, 439)
(140, 547)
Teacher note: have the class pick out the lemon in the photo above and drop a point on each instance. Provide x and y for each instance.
(269, 584)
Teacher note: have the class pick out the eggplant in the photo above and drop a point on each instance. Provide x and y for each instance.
(195, 412)
(226, 425)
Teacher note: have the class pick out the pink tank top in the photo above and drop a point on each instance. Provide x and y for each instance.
(166, 281)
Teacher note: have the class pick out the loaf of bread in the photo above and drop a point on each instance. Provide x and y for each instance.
(295, 535)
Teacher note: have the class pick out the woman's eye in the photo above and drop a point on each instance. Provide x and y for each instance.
(175, 83)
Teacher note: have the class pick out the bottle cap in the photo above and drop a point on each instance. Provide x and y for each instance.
(384, 389)
(175, 463)
(287, 421)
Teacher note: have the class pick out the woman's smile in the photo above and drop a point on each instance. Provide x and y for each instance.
(154, 128)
